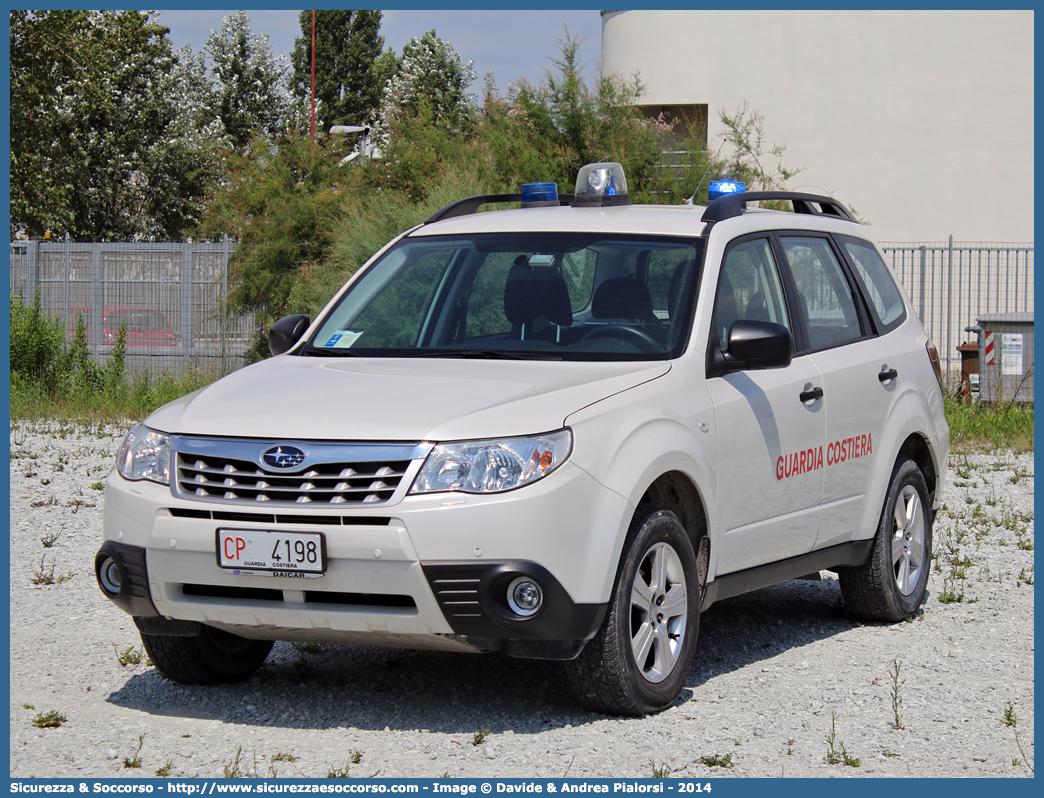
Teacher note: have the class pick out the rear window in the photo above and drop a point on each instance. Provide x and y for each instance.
(885, 299)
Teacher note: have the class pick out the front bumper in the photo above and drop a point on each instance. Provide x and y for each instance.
(389, 569)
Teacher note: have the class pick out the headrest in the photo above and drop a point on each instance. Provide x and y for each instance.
(532, 291)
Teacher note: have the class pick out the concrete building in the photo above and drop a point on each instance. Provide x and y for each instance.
(922, 121)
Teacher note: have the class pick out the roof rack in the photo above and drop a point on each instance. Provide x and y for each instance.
(472, 204)
(728, 206)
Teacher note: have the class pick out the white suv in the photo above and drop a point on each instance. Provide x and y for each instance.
(561, 431)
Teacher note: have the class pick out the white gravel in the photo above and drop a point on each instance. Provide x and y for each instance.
(774, 669)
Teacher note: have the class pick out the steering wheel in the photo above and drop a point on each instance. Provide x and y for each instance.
(632, 335)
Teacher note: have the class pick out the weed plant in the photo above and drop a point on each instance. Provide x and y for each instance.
(836, 753)
(1011, 719)
(897, 699)
(46, 576)
(135, 760)
(238, 768)
(717, 761)
(989, 427)
(49, 382)
(660, 771)
(49, 720)
(131, 656)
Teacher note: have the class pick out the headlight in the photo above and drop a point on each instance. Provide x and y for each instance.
(145, 454)
(492, 466)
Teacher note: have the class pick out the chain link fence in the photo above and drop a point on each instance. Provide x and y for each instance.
(172, 296)
(954, 285)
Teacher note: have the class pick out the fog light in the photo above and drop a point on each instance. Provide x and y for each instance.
(524, 596)
(109, 576)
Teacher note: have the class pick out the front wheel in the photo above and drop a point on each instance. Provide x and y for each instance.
(639, 659)
(891, 585)
(214, 656)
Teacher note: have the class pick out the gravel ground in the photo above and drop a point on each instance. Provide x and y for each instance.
(775, 672)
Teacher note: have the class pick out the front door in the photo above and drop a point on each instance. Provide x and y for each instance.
(770, 452)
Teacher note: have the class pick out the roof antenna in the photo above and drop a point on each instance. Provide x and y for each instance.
(709, 164)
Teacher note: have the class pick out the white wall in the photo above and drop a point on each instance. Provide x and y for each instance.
(922, 121)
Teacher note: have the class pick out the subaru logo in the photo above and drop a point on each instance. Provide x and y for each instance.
(282, 457)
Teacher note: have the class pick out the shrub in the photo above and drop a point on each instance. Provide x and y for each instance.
(37, 355)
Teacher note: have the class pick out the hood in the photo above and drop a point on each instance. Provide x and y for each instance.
(393, 399)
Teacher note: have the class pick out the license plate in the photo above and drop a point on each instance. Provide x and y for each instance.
(254, 551)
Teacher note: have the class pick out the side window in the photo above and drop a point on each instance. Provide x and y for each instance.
(578, 269)
(749, 288)
(667, 276)
(824, 293)
(485, 307)
(886, 302)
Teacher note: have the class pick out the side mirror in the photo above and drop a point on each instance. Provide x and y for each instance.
(286, 332)
(752, 345)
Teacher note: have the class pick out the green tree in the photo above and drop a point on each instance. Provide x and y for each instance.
(279, 199)
(347, 88)
(536, 133)
(247, 81)
(192, 89)
(430, 72)
(97, 136)
(580, 124)
(750, 160)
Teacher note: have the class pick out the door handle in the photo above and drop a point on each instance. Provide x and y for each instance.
(811, 396)
(887, 375)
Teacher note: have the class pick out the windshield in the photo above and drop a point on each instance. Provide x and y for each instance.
(569, 296)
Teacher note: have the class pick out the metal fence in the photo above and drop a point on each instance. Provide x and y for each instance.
(951, 286)
(170, 296)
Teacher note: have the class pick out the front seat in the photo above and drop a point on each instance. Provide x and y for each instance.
(535, 296)
(623, 298)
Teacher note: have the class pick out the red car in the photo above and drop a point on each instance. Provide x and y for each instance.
(145, 326)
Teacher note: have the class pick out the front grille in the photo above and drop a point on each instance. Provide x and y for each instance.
(323, 483)
(328, 473)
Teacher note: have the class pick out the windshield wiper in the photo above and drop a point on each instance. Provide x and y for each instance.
(489, 354)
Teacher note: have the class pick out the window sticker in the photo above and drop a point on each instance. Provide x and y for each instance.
(1011, 353)
(342, 339)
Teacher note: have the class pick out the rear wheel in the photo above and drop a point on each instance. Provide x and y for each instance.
(214, 656)
(892, 584)
(639, 659)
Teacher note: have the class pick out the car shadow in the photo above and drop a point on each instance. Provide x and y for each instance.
(402, 690)
(757, 626)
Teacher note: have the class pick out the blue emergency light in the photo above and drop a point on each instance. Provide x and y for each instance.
(719, 187)
(536, 194)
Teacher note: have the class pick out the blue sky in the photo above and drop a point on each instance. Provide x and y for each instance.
(510, 44)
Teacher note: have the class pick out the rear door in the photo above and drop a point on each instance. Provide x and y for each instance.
(860, 380)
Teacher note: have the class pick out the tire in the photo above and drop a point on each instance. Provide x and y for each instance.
(638, 660)
(214, 656)
(893, 582)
